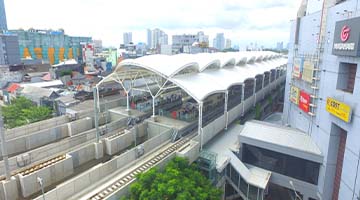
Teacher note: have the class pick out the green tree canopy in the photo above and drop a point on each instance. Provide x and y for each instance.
(22, 111)
(178, 181)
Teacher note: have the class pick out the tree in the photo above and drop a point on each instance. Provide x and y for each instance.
(178, 181)
(22, 111)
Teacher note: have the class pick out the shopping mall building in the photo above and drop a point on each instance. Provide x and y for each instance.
(323, 90)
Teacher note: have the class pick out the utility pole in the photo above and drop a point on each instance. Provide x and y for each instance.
(4, 148)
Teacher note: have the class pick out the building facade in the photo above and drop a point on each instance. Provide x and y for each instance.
(219, 41)
(179, 41)
(156, 38)
(228, 44)
(127, 38)
(9, 50)
(3, 22)
(323, 88)
(49, 45)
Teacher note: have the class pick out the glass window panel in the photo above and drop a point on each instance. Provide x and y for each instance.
(243, 186)
(287, 165)
(253, 191)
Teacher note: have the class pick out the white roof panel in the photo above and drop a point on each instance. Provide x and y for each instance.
(280, 139)
(203, 82)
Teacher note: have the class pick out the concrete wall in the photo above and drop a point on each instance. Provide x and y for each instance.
(55, 148)
(35, 127)
(37, 139)
(249, 103)
(95, 174)
(191, 152)
(83, 155)
(80, 126)
(119, 143)
(235, 112)
(213, 128)
(49, 175)
(144, 130)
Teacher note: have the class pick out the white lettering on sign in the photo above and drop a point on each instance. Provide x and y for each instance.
(303, 100)
(344, 46)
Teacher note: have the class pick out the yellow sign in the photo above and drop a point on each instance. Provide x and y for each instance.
(297, 68)
(294, 95)
(338, 109)
(308, 71)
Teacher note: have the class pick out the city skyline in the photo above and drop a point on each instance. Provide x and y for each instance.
(239, 21)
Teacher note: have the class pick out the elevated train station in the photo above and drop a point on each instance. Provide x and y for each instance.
(168, 106)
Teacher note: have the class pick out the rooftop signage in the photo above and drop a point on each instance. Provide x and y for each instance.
(346, 37)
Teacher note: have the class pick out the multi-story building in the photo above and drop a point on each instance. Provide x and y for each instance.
(98, 46)
(148, 35)
(203, 39)
(127, 38)
(228, 44)
(179, 41)
(3, 23)
(9, 50)
(219, 41)
(280, 46)
(323, 88)
(49, 45)
(156, 38)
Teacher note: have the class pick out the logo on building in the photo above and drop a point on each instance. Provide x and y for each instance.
(345, 33)
(346, 38)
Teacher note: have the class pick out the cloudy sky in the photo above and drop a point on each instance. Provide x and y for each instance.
(243, 21)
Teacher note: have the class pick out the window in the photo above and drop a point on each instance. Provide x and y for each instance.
(287, 165)
(346, 77)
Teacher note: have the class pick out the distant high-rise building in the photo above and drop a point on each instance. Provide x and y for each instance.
(97, 46)
(3, 23)
(228, 44)
(219, 41)
(158, 38)
(280, 46)
(148, 33)
(9, 50)
(127, 38)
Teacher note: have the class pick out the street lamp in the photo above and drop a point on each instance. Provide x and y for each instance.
(293, 187)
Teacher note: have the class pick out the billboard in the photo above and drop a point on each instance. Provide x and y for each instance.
(297, 67)
(304, 101)
(338, 109)
(308, 71)
(294, 94)
(346, 37)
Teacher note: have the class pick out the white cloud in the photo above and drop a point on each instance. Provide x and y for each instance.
(262, 21)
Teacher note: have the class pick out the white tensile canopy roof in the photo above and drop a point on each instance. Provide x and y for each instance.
(206, 73)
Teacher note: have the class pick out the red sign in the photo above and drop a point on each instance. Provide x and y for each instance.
(304, 101)
(345, 33)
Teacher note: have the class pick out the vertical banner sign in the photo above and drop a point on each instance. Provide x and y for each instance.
(294, 95)
(297, 68)
(304, 101)
(338, 109)
(308, 71)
